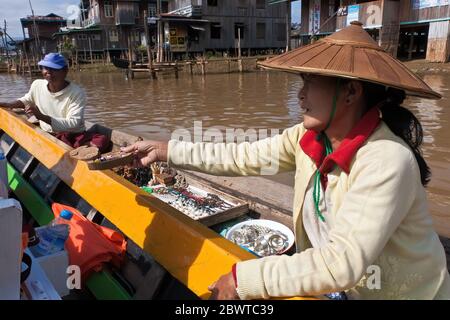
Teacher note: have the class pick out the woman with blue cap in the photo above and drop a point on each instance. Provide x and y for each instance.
(361, 218)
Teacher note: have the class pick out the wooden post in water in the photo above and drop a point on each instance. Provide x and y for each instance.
(27, 58)
(149, 47)
(239, 50)
(20, 64)
(130, 57)
(75, 62)
(160, 33)
(5, 41)
(411, 45)
(190, 63)
(176, 69)
(24, 46)
(90, 50)
(288, 25)
(203, 65)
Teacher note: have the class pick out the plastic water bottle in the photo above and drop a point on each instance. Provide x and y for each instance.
(53, 237)
(3, 175)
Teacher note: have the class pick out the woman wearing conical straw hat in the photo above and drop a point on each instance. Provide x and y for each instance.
(360, 204)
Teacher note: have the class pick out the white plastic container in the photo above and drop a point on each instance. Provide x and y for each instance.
(3, 176)
(10, 248)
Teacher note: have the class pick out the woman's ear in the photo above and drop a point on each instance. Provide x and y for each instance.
(354, 92)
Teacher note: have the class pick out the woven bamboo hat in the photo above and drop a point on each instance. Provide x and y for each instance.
(352, 53)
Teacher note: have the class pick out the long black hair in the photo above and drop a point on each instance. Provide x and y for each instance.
(400, 120)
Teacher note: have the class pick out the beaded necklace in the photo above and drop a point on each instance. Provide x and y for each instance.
(328, 150)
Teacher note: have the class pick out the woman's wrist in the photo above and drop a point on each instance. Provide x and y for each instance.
(163, 152)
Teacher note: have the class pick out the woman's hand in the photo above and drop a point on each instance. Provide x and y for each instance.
(148, 152)
(224, 288)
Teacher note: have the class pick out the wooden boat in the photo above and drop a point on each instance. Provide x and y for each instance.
(122, 63)
(169, 255)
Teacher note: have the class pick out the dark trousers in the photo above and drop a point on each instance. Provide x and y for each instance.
(78, 139)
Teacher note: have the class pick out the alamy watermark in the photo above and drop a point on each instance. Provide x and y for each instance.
(373, 281)
(73, 277)
(256, 149)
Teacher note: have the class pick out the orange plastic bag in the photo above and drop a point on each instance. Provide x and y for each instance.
(89, 245)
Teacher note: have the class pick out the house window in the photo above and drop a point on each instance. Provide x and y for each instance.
(152, 10)
(260, 4)
(331, 8)
(108, 9)
(96, 37)
(242, 11)
(242, 3)
(260, 30)
(212, 3)
(82, 37)
(239, 30)
(136, 10)
(281, 31)
(136, 36)
(113, 36)
(215, 30)
(193, 35)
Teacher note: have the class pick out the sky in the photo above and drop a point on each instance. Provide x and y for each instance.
(13, 10)
(296, 11)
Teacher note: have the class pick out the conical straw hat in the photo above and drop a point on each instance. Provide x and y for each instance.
(352, 53)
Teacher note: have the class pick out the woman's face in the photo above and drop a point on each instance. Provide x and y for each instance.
(316, 101)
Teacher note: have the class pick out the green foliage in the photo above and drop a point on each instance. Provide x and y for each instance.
(142, 49)
(68, 47)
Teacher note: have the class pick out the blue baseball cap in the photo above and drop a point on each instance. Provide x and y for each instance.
(54, 61)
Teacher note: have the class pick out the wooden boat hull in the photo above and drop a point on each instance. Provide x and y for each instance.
(192, 253)
(120, 63)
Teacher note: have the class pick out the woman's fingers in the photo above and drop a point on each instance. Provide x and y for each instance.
(213, 290)
(131, 148)
(212, 286)
(146, 151)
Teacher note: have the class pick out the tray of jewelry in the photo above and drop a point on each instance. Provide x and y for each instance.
(189, 196)
(262, 237)
(205, 206)
(193, 198)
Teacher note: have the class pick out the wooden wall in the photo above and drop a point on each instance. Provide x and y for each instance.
(244, 11)
(177, 4)
(438, 41)
(389, 33)
(408, 14)
(325, 13)
(304, 28)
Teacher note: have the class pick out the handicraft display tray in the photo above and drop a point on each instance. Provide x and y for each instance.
(230, 208)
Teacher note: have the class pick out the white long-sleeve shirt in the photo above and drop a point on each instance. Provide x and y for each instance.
(377, 216)
(66, 107)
